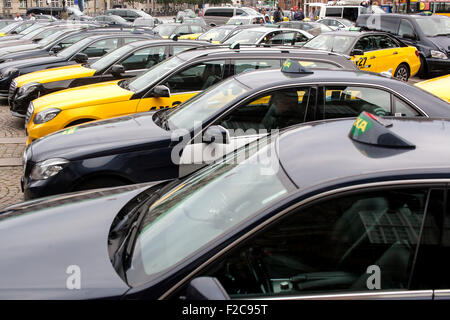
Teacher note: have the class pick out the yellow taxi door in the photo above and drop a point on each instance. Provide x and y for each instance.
(185, 84)
(388, 53)
(369, 61)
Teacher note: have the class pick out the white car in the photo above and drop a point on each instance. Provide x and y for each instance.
(268, 35)
(337, 23)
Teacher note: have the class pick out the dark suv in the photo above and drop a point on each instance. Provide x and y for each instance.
(429, 34)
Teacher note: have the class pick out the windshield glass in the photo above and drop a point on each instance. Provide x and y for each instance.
(9, 27)
(205, 207)
(434, 26)
(238, 21)
(246, 36)
(215, 34)
(33, 32)
(56, 34)
(165, 31)
(69, 51)
(330, 42)
(111, 57)
(31, 29)
(346, 22)
(154, 74)
(205, 104)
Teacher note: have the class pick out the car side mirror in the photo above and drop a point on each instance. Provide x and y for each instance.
(161, 91)
(56, 49)
(212, 24)
(357, 52)
(206, 288)
(117, 70)
(80, 58)
(216, 134)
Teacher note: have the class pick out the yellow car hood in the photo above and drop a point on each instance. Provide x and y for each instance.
(191, 36)
(55, 74)
(90, 95)
(437, 86)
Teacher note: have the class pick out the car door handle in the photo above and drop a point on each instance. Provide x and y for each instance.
(373, 57)
(395, 52)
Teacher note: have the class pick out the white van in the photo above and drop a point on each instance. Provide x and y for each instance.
(347, 11)
(220, 15)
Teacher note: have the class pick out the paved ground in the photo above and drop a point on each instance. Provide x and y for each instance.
(12, 145)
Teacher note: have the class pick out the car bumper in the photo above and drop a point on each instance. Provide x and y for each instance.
(19, 106)
(438, 66)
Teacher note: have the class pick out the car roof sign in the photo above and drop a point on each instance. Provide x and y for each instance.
(370, 129)
(291, 66)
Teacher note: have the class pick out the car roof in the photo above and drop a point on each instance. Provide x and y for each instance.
(167, 41)
(354, 33)
(310, 158)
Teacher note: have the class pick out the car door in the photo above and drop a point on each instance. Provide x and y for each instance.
(350, 245)
(249, 120)
(389, 54)
(367, 61)
(184, 84)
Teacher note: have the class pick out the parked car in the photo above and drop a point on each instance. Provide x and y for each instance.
(220, 15)
(113, 20)
(437, 86)
(128, 14)
(270, 36)
(167, 30)
(337, 23)
(313, 28)
(220, 34)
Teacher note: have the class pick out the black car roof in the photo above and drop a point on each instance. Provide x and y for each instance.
(322, 152)
(167, 41)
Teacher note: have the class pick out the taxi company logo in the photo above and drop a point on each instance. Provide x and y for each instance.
(374, 22)
(360, 125)
(73, 281)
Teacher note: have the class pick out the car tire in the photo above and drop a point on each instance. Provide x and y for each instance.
(100, 182)
(402, 72)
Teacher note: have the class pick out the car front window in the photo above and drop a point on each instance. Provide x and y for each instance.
(45, 41)
(69, 51)
(434, 26)
(215, 34)
(206, 207)
(108, 59)
(165, 31)
(205, 104)
(245, 37)
(329, 42)
(154, 74)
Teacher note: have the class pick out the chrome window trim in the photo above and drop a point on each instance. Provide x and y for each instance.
(442, 294)
(359, 187)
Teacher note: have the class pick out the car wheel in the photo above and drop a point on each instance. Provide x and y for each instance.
(402, 72)
(100, 182)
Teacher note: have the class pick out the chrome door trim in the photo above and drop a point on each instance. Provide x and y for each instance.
(443, 294)
(359, 187)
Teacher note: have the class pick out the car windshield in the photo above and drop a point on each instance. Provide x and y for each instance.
(165, 31)
(34, 32)
(215, 34)
(204, 105)
(69, 51)
(154, 74)
(45, 41)
(205, 207)
(110, 58)
(246, 36)
(9, 27)
(330, 42)
(346, 22)
(31, 29)
(434, 26)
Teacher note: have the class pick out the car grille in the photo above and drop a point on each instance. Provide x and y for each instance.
(12, 91)
(29, 114)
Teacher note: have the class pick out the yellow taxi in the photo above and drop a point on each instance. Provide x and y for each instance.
(192, 36)
(440, 87)
(371, 51)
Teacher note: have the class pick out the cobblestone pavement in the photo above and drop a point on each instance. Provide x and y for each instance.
(12, 145)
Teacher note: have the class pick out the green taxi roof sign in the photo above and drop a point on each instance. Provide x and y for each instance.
(369, 129)
(354, 29)
(291, 66)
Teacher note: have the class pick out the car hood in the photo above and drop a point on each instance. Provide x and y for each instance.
(23, 63)
(55, 74)
(44, 240)
(90, 95)
(101, 138)
(442, 42)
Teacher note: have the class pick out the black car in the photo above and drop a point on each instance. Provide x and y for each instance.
(125, 62)
(172, 142)
(60, 39)
(86, 50)
(429, 34)
(334, 209)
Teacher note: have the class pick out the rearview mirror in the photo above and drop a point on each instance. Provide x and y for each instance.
(216, 134)
(117, 70)
(357, 52)
(212, 24)
(206, 288)
(161, 91)
(80, 58)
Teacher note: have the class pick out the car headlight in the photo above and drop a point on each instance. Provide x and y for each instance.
(27, 89)
(48, 168)
(438, 54)
(8, 72)
(46, 115)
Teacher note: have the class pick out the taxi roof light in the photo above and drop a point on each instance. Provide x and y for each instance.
(372, 130)
(291, 66)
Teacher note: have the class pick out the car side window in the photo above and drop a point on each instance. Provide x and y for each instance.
(401, 108)
(350, 243)
(405, 28)
(196, 29)
(243, 65)
(300, 38)
(129, 40)
(181, 48)
(383, 42)
(101, 47)
(350, 101)
(144, 58)
(197, 77)
(281, 38)
(273, 110)
(183, 30)
(71, 40)
(364, 44)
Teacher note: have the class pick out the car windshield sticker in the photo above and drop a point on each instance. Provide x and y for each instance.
(70, 130)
